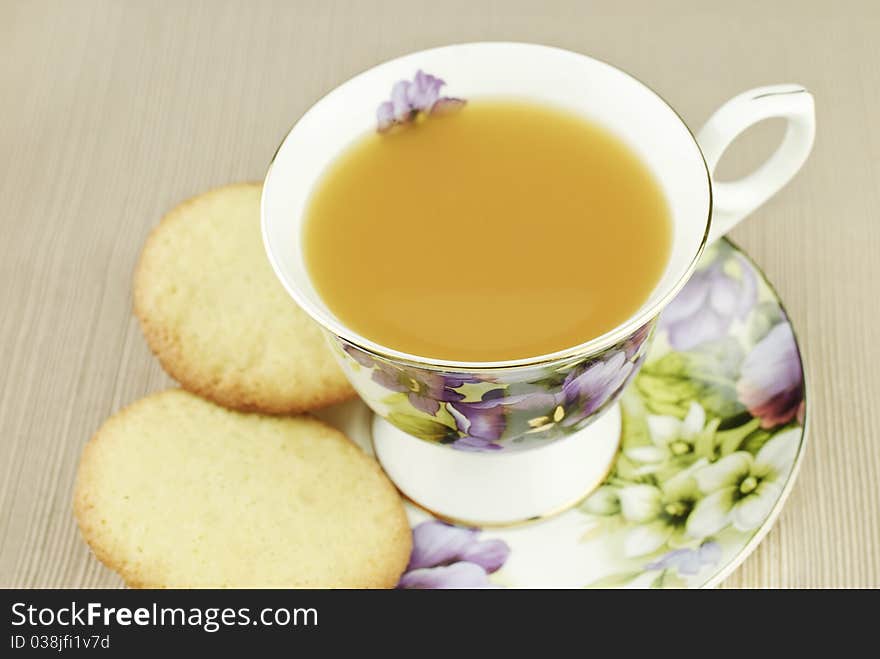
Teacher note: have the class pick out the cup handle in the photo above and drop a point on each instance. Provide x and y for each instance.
(732, 201)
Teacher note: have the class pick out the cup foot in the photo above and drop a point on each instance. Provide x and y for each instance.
(479, 489)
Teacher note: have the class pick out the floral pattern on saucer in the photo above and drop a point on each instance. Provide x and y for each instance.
(713, 429)
(447, 556)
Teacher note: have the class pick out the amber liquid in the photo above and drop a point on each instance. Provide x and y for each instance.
(504, 231)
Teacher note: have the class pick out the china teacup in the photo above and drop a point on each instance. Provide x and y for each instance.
(504, 409)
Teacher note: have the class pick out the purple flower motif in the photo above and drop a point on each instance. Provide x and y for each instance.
(385, 116)
(424, 91)
(476, 445)
(589, 387)
(708, 304)
(446, 556)
(457, 575)
(400, 100)
(424, 389)
(484, 421)
(533, 402)
(633, 344)
(437, 543)
(771, 383)
(583, 392)
(448, 105)
(359, 355)
(408, 98)
(688, 561)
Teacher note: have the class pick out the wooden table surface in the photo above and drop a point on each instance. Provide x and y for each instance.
(112, 112)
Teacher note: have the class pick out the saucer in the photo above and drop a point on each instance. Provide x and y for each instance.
(713, 435)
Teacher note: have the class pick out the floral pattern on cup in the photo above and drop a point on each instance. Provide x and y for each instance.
(412, 98)
(495, 410)
(711, 437)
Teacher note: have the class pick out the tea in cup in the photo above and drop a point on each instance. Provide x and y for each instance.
(488, 233)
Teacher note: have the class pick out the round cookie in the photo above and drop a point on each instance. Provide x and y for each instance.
(219, 320)
(174, 491)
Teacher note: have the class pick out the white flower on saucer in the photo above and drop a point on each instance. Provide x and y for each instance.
(741, 489)
(660, 512)
(673, 438)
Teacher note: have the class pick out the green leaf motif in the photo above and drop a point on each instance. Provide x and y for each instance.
(445, 417)
(401, 408)
(473, 391)
(756, 440)
(634, 423)
(627, 471)
(423, 428)
(396, 400)
(721, 402)
(730, 440)
(704, 446)
(668, 395)
(668, 579)
(761, 320)
(720, 359)
(707, 376)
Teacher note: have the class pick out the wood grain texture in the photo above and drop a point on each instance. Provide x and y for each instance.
(112, 112)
